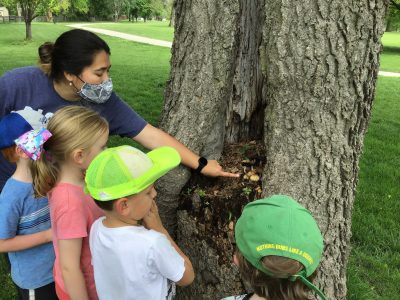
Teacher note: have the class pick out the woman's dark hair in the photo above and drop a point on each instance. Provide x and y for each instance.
(72, 52)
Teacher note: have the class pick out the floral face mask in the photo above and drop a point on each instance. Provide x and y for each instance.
(96, 93)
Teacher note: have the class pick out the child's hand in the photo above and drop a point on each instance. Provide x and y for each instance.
(152, 220)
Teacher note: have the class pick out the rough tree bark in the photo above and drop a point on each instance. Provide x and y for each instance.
(219, 88)
(311, 104)
(321, 62)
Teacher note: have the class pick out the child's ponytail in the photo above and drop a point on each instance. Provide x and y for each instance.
(44, 175)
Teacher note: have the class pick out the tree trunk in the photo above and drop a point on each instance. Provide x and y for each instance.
(321, 59)
(245, 113)
(205, 58)
(49, 16)
(28, 30)
(172, 16)
(299, 75)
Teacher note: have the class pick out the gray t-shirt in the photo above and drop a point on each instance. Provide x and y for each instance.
(30, 87)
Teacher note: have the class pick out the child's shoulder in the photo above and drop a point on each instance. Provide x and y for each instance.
(67, 191)
(65, 195)
(15, 189)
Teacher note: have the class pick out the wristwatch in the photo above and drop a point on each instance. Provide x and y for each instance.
(202, 163)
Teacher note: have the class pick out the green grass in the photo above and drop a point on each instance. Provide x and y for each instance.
(374, 269)
(390, 58)
(152, 29)
(7, 290)
(139, 74)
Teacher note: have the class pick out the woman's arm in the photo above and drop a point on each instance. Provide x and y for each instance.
(152, 137)
(70, 261)
(22, 242)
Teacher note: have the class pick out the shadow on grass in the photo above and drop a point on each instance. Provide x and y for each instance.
(391, 50)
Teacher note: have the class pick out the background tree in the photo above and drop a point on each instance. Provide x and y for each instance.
(395, 4)
(158, 8)
(300, 76)
(145, 8)
(77, 10)
(170, 12)
(128, 6)
(117, 6)
(100, 9)
(29, 11)
(53, 7)
(393, 18)
(11, 5)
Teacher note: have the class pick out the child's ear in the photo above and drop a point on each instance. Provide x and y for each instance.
(20, 153)
(78, 156)
(122, 207)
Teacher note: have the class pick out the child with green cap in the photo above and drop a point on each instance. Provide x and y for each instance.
(279, 245)
(133, 255)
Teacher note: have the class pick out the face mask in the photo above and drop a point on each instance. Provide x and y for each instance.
(96, 93)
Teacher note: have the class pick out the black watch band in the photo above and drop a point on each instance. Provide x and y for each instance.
(202, 163)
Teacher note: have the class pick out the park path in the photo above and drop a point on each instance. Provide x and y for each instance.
(145, 40)
(389, 74)
(126, 36)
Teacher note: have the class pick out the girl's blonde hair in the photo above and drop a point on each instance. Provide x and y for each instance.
(72, 127)
(277, 287)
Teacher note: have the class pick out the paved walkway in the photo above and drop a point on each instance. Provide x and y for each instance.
(161, 43)
(389, 74)
(126, 36)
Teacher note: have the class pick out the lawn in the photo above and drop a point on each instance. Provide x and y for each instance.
(390, 58)
(374, 269)
(139, 74)
(153, 29)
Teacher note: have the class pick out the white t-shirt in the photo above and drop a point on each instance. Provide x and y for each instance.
(133, 262)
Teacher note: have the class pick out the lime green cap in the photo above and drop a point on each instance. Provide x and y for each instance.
(279, 226)
(123, 171)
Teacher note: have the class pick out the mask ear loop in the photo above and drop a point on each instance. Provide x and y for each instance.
(309, 284)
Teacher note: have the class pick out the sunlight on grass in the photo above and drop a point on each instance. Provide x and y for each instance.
(390, 58)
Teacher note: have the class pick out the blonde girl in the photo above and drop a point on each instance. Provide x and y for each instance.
(78, 135)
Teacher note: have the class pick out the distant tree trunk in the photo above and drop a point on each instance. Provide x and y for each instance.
(28, 9)
(28, 30)
(172, 16)
(49, 16)
(299, 75)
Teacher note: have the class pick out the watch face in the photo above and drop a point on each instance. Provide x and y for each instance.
(203, 161)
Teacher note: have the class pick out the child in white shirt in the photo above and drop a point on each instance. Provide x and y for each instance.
(133, 255)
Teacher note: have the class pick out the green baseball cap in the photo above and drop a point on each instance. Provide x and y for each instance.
(280, 226)
(123, 171)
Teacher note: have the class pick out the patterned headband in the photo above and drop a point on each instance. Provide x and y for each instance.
(31, 142)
